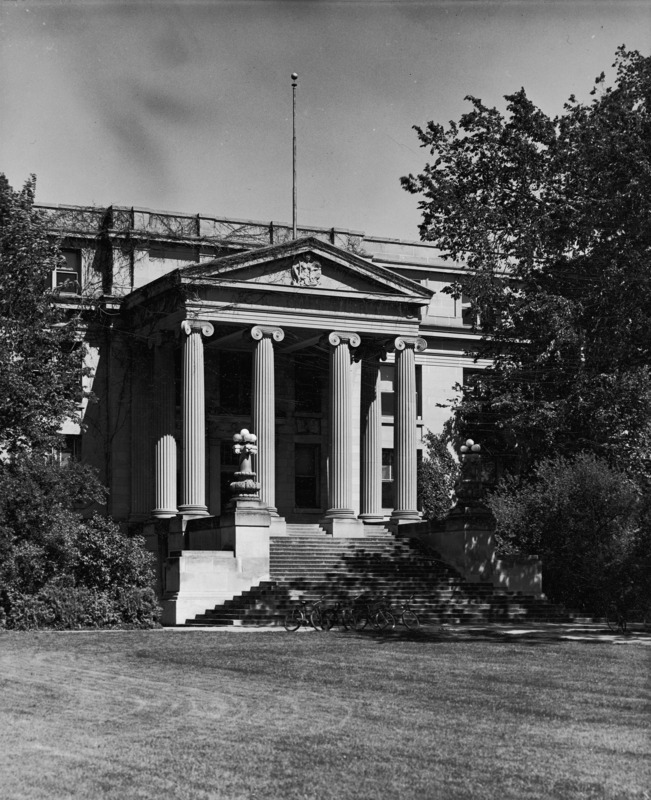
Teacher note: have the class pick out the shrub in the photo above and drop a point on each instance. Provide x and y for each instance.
(582, 517)
(66, 607)
(59, 569)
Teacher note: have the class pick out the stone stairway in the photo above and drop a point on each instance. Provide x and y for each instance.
(304, 529)
(308, 566)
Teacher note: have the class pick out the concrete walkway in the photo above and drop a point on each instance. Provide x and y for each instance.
(594, 632)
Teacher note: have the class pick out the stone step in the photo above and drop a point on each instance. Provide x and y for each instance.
(311, 566)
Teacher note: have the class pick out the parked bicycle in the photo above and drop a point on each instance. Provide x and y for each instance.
(303, 615)
(374, 611)
(337, 614)
(408, 617)
(621, 618)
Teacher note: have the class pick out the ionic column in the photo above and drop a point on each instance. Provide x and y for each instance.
(404, 431)
(341, 456)
(264, 411)
(371, 467)
(165, 443)
(193, 409)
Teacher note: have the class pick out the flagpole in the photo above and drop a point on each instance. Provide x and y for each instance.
(294, 227)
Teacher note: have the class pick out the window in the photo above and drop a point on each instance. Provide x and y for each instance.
(387, 390)
(306, 475)
(68, 450)
(387, 479)
(67, 276)
(309, 371)
(468, 313)
(235, 383)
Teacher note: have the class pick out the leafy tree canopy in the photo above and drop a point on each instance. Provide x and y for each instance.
(552, 217)
(40, 355)
(57, 567)
(436, 477)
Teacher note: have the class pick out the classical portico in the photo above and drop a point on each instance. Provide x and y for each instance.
(288, 341)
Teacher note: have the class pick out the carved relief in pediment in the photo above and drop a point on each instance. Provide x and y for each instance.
(306, 271)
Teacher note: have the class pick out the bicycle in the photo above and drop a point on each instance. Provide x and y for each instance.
(301, 615)
(408, 617)
(620, 618)
(338, 614)
(377, 612)
(615, 620)
(318, 614)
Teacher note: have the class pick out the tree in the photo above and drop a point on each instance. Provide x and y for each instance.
(58, 566)
(40, 354)
(552, 217)
(582, 518)
(436, 477)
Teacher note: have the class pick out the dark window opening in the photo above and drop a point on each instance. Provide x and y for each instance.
(69, 449)
(309, 371)
(67, 276)
(387, 479)
(306, 475)
(235, 383)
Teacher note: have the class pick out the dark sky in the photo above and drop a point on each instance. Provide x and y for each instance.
(186, 106)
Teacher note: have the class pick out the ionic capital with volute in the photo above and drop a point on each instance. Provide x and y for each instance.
(344, 337)
(259, 332)
(416, 342)
(189, 326)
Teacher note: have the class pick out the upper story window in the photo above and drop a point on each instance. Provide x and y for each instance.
(387, 389)
(309, 374)
(235, 382)
(66, 278)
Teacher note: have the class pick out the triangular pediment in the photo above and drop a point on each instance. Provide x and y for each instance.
(306, 265)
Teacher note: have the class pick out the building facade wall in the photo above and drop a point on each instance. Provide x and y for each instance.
(122, 250)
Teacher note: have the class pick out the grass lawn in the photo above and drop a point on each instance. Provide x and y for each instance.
(169, 714)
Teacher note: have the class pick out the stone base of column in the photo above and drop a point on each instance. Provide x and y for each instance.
(189, 511)
(405, 515)
(372, 519)
(343, 527)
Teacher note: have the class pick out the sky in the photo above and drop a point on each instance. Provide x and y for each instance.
(187, 106)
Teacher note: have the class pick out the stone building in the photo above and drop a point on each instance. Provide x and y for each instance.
(337, 349)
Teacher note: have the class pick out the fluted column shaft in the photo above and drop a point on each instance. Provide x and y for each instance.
(264, 411)
(404, 431)
(371, 467)
(193, 409)
(341, 443)
(165, 443)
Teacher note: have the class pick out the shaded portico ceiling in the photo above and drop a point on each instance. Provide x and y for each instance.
(306, 285)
